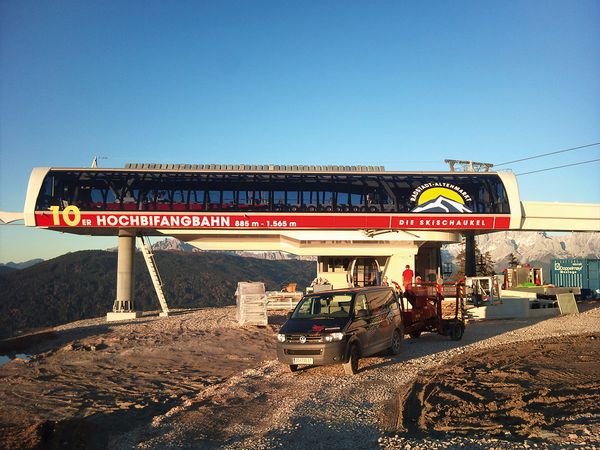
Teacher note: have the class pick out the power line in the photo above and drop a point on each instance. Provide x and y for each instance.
(546, 154)
(559, 167)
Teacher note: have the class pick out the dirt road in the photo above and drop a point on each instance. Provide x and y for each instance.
(104, 379)
(198, 380)
(546, 389)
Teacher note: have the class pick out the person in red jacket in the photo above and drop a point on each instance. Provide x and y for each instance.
(407, 278)
(439, 281)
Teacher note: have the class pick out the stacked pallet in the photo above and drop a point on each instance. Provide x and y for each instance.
(280, 300)
(251, 303)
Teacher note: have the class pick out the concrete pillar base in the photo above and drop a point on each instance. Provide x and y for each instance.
(116, 316)
(511, 308)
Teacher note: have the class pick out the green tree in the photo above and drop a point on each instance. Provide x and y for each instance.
(483, 262)
(512, 261)
(487, 267)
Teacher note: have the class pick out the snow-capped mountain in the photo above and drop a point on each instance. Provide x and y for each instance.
(274, 255)
(175, 245)
(442, 204)
(535, 248)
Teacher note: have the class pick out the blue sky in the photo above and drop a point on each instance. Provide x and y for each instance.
(397, 83)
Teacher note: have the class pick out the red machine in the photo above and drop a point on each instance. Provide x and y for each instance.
(425, 308)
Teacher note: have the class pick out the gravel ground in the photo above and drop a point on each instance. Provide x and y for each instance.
(88, 381)
(320, 408)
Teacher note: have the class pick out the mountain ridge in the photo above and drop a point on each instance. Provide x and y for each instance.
(82, 285)
(531, 247)
(21, 265)
(174, 244)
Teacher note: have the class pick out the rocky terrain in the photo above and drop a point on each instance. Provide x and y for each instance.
(199, 380)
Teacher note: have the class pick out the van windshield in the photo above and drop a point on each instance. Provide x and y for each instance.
(324, 306)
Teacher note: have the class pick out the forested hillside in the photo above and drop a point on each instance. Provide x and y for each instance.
(82, 285)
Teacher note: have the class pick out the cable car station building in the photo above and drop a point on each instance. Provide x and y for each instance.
(362, 222)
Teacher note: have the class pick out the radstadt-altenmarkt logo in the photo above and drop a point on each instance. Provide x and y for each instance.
(440, 198)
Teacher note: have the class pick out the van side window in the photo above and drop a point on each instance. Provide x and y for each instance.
(361, 303)
(391, 300)
(379, 299)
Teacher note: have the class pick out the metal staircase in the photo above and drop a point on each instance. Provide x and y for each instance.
(154, 275)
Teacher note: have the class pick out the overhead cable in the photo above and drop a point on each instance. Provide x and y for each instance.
(559, 167)
(546, 154)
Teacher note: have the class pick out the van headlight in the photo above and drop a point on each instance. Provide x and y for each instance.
(334, 337)
(281, 337)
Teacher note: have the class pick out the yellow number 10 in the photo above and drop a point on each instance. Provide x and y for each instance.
(65, 214)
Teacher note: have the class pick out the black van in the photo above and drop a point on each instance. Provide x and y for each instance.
(341, 326)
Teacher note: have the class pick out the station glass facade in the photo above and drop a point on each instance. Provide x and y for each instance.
(122, 190)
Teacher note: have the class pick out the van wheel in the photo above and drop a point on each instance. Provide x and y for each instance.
(396, 343)
(456, 331)
(351, 367)
(293, 367)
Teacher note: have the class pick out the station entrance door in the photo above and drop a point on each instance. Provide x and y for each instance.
(366, 272)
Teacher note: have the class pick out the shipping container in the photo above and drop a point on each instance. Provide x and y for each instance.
(577, 272)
